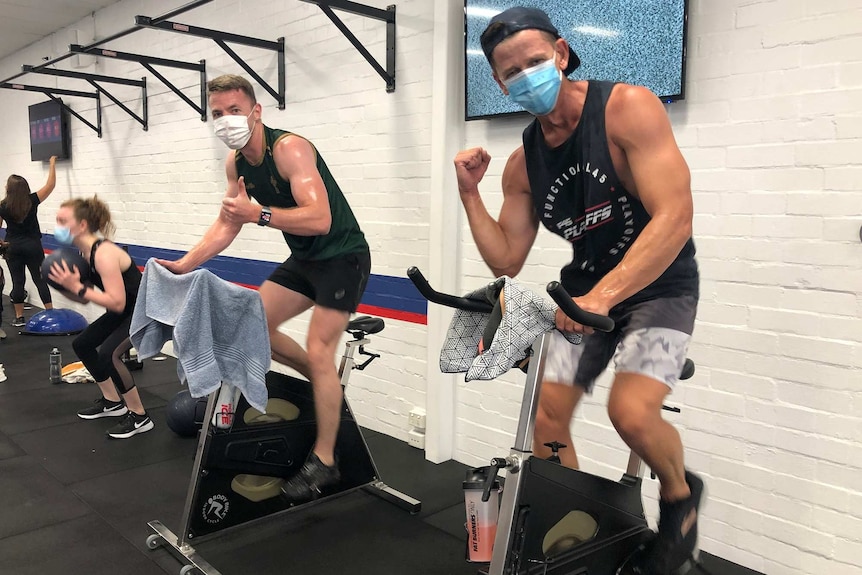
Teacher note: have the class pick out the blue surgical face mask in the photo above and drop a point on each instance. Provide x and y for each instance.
(536, 89)
(63, 235)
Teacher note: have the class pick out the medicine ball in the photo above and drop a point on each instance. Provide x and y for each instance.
(73, 259)
(185, 414)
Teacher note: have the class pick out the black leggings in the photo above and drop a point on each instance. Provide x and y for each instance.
(100, 346)
(27, 254)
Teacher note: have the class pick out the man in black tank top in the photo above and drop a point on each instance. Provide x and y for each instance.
(600, 168)
(329, 264)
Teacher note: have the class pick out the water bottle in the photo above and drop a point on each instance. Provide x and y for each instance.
(228, 397)
(55, 364)
(481, 515)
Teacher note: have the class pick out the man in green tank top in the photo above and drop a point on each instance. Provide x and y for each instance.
(329, 263)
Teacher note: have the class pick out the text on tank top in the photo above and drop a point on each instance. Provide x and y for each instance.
(578, 196)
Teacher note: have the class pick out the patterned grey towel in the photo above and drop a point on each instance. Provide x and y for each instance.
(526, 317)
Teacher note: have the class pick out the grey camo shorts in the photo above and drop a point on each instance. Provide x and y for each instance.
(651, 338)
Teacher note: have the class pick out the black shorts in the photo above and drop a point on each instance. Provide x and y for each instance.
(336, 283)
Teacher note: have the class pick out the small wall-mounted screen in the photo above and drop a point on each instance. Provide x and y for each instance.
(49, 131)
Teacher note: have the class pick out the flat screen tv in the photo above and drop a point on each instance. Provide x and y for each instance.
(639, 42)
(49, 131)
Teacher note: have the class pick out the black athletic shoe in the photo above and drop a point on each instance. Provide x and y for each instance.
(310, 481)
(19, 322)
(673, 551)
(131, 424)
(104, 408)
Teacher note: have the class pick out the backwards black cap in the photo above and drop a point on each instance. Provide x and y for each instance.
(517, 19)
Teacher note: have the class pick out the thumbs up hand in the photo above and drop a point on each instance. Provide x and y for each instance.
(239, 209)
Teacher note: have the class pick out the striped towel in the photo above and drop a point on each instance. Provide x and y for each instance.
(218, 330)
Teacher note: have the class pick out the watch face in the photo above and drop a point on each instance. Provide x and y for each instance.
(265, 217)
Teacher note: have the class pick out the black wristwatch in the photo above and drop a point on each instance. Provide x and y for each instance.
(265, 216)
(82, 291)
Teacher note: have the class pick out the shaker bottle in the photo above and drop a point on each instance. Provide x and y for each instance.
(481, 515)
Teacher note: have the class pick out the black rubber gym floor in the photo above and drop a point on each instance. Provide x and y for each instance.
(73, 501)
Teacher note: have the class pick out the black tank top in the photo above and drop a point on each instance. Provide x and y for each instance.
(578, 196)
(131, 279)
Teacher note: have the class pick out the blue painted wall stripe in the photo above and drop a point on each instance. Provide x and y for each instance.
(387, 292)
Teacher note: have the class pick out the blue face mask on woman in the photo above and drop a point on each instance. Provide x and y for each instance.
(63, 235)
(536, 89)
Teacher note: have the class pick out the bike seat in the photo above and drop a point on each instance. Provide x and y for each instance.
(687, 369)
(365, 324)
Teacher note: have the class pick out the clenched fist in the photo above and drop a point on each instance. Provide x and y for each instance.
(470, 167)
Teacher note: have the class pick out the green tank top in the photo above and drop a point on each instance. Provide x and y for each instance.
(265, 185)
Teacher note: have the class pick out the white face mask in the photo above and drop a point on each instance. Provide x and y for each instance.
(233, 130)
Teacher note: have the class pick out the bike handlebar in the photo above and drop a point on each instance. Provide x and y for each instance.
(447, 300)
(562, 298)
(555, 290)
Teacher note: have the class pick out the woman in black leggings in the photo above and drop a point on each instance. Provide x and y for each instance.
(100, 346)
(19, 210)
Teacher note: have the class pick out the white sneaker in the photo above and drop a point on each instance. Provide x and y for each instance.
(2, 373)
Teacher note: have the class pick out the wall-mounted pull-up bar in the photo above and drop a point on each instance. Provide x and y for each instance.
(52, 92)
(387, 16)
(93, 79)
(7, 83)
(171, 14)
(148, 62)
(221, 38)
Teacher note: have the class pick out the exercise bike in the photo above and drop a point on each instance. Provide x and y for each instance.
(244, 455)
(554, 519)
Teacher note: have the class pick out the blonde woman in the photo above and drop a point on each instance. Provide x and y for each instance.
(85, 223)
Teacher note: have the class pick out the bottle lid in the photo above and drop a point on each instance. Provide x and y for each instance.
(476, 478)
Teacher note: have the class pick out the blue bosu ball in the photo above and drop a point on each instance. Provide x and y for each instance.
(55, 322)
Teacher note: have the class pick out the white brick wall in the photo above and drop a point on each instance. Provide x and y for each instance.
(771, 129)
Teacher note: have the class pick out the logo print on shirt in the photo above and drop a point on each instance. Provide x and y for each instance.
(573, 228)
(593, 218)
(569, 228)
